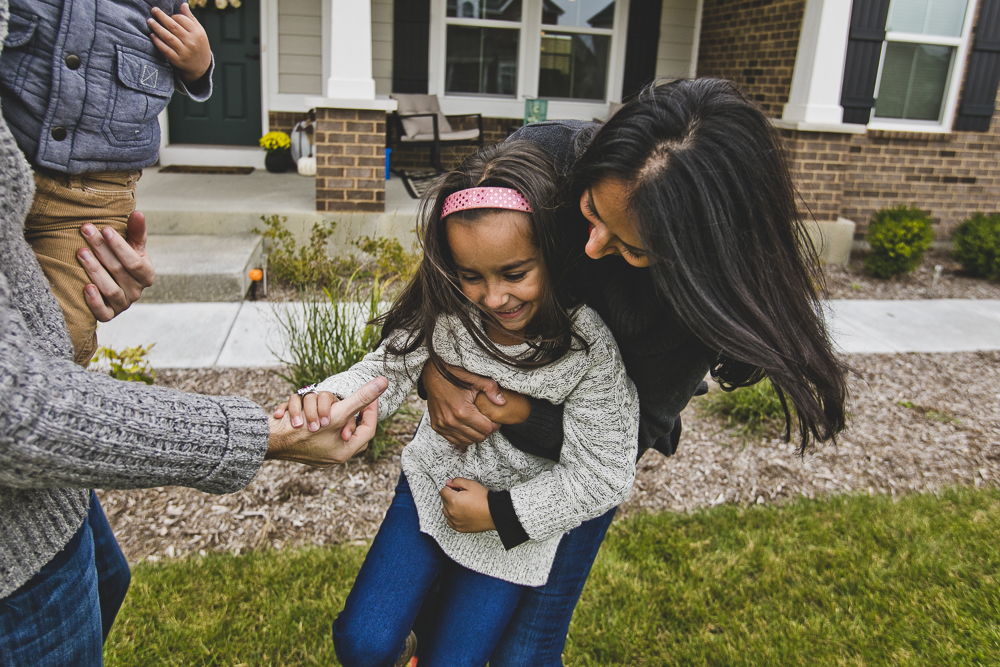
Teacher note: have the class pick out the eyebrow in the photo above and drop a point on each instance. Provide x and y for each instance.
(593, 209)
(505, 268)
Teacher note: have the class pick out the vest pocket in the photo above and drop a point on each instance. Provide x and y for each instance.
(143, 91)
(20, 31)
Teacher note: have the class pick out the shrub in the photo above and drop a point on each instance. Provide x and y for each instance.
(898, 238)
(130, 364)
(748, 409)
(287, 262)
(389, 258)
(977, 245)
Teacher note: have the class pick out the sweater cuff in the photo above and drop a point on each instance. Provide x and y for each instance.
(199, 90)
(248, 438)
(541, 434)
(505, 519)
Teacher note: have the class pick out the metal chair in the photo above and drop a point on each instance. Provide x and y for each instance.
(419, 122)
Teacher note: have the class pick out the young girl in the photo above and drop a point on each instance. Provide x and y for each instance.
(492, 296)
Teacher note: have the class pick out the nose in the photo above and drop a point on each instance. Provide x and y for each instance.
(495, 297)
(598, 244)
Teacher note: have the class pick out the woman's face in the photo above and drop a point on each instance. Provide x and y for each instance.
(611, 231)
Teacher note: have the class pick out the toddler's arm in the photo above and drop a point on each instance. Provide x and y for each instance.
(183, 40)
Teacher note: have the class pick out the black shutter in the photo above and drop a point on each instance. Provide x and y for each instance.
(641, 44)
(411, 25)
(979, 90)
(864, 49)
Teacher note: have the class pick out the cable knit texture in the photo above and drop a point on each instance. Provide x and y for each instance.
(594, 473)
(64, 430)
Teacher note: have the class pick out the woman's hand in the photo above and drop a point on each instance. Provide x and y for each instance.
(466, 507)
(315, 407)
(453, 410)
(347, 434)
(119, 268)
(515, 411)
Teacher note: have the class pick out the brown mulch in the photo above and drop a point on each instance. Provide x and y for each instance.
(950, 436)
(851, 282)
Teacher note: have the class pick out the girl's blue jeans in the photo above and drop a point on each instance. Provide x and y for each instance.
(63, 614)
(470, 612)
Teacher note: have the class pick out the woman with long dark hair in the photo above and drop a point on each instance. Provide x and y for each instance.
(685, 198)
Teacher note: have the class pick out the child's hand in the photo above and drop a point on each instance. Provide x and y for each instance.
(183, 41)
(514, 411)
(316, 408)
(465, 506)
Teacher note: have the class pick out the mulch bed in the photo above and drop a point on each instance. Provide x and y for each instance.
(851, 282)
(949, 435)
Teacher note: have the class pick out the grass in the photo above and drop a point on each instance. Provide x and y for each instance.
(748, 410)
(849, 581)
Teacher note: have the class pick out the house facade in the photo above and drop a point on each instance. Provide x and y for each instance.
(880, 102)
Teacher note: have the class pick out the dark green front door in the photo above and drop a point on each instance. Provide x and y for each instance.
(232, 115)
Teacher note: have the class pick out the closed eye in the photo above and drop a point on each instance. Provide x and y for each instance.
(515, 277)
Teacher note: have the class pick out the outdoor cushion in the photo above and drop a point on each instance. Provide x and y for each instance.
(460, 135)
(410, 104)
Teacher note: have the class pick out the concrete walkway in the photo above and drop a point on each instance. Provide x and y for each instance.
(202, 335)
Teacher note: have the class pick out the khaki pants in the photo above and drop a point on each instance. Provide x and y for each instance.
(62, 204)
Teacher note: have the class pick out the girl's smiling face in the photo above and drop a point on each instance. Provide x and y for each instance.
(499, 268)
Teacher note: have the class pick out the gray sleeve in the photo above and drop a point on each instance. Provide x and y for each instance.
(200, 90)
(61, 425)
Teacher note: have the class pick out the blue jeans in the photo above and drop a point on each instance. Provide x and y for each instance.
(62, 615)
(469, 614)
(536, 633)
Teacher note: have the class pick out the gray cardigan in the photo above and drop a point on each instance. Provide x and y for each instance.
(64, 430)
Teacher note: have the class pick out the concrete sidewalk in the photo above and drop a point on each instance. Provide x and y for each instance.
(202, 335)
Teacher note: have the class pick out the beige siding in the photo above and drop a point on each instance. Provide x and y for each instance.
(300, 47)
(382, 46)
(677, 25)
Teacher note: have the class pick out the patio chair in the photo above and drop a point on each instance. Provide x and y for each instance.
(419, 122)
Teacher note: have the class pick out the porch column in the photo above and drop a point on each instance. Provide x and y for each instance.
(350, 51)
(819, 65)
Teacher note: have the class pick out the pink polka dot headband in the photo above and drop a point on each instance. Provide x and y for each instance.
(506, 198)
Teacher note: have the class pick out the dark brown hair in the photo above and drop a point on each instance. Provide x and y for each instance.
(434, 290)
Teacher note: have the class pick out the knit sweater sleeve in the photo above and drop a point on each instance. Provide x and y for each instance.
(597, 466)
(64, 426)
(401, 371)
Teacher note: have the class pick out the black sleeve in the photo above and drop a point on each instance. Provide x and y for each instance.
(541, 434)
(505, 519)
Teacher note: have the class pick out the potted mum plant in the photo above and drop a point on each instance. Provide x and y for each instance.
(279, 155)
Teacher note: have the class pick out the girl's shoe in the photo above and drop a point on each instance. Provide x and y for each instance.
(406, 658)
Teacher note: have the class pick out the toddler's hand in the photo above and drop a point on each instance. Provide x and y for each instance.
(316, 408)
(515, 411)
(183, 41)
(465, 506)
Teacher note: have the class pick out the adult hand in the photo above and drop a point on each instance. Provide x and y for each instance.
(119, 268)
(343, 438)
(453, 410)
(465, 506)
(182, 39)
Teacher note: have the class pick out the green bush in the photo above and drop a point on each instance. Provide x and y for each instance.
(289, 263)
(389, 258)
(748, 409)
(130, 365)
(898, 238)
(977, 245)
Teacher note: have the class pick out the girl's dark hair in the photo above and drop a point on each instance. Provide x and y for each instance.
(434, 290)
(711, 195)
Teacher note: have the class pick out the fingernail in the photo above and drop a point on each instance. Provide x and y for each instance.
(296, 421)
(324, 422)
(503, 399)
(91, 291)
(108, 233)
(85, 255)
(313, 426)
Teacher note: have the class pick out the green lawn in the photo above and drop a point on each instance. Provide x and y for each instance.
(848, 581)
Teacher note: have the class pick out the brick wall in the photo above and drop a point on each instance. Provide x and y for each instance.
(951, 175)
(752, 42)
(350, 160)
(495, 130)
(284, 121)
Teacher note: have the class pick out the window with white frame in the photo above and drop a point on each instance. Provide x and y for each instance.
(555, 49)
(922, 58)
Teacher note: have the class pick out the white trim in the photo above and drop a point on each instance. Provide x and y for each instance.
(818, 77)
(381, 104)
(696, 44)
(839, 128)
(214, 156)
(508, 107)
(350, 61)
(268, 59)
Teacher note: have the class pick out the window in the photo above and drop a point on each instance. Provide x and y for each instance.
(922, 57)
(553, 49)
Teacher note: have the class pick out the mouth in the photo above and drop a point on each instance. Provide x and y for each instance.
(510, 314)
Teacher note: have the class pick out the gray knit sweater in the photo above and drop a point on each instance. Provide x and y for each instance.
(64, 430)
(596, 467)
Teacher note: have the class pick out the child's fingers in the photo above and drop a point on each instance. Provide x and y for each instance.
(310, 412)
(279, 411)
(166, 21)
(171, 55)
(295, 410)
(325, 401)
